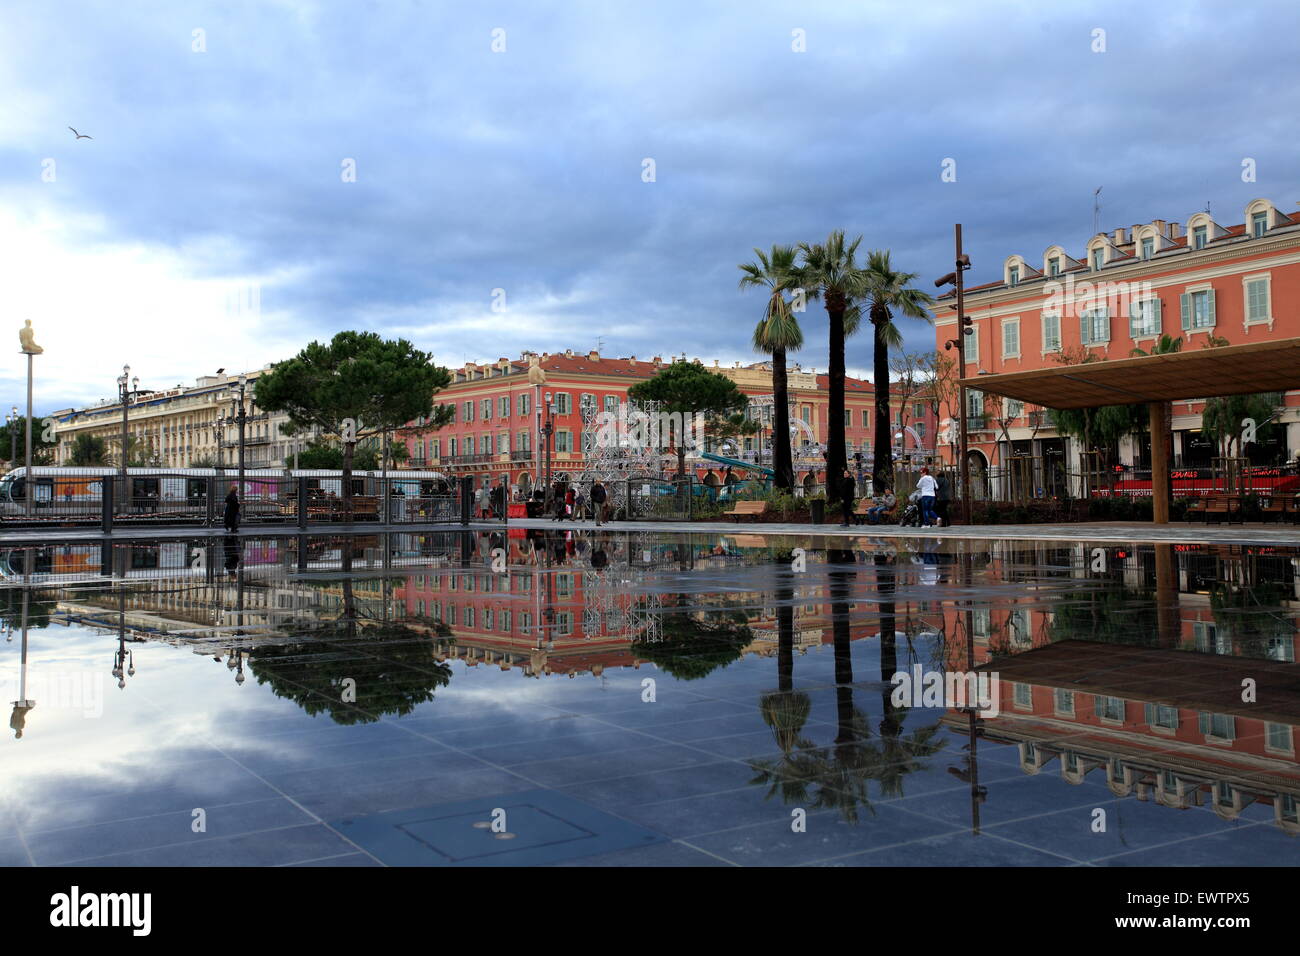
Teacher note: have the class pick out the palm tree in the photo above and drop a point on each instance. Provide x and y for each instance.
(88, 450)
(829, 272)
(776, 334)
(1166, 345)
(888, 291)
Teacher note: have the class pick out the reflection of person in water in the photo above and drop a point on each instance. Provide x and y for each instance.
(231, 546)
(598, 557)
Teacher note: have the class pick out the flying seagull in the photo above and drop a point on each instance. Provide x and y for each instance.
(81, 135)
(220, 370)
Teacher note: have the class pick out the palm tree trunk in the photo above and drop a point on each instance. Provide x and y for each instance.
(782, 461)
(882, 471)
(835, 455)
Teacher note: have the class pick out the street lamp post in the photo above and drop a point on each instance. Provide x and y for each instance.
(548, 428)
(124, 388)
(12, 419)
(240, 417)
(959, 343)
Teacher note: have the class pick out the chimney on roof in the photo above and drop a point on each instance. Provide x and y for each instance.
(1175, 230)
(632, 358)
(1160, 225)
(1119, 236)
(568, 353)
(593, 356)
(658, 360)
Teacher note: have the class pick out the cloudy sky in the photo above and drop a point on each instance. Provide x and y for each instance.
(210, 220)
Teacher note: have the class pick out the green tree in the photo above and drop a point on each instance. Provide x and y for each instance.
(830, 272)
(42, 451)
(689, 389)
(356, 386)
(888, 291)
(88, 450)
(1222, 418)
(777, 333)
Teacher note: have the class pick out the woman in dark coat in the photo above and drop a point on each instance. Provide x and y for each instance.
(232, 509)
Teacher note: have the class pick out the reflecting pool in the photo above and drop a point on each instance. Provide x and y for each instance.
(609, 698)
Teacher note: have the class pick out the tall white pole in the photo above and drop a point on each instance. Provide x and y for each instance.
(31, 485)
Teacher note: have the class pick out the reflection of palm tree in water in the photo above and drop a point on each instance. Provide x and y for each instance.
(837, 777)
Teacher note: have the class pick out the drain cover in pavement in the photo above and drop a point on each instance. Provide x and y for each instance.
(541, 826)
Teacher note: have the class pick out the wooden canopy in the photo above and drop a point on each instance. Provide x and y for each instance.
(1198, 373)
(1154, 379)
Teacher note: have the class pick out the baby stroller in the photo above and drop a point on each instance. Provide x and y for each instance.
(911, 515)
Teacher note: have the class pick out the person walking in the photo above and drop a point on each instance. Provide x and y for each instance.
(232, 510)
(943, 497)
(570, 500)
(598, 498)
(927, 487)
(848, 489)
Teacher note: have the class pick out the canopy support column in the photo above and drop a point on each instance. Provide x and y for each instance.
(1159, 464)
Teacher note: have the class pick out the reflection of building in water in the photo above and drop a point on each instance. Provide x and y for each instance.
(1154, 723)
(1229, 600)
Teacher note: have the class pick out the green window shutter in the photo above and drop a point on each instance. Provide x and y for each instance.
(1203, 722)
(1105, 316)
(1148, 714)
(1134, 313)
(1155, 310)
(1085, 319)
(1185, 301)
(1209, 296)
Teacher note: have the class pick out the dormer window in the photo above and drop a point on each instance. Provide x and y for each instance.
(1054, 266)
(1258, 224)
(1013, 275)
(1148, 248)
(1098, 258)
(1200, 236)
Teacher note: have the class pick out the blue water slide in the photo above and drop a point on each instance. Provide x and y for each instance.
(738, 463)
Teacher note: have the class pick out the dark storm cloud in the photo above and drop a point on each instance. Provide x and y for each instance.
(522, 170)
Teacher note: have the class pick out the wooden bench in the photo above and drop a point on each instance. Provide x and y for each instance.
(860, 512)
(1221, 507)
(752, 509)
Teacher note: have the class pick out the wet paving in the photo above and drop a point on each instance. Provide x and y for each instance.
(584, 697)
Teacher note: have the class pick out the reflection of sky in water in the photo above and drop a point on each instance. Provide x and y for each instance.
(183, 733)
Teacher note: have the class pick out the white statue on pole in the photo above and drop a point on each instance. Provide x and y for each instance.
(28, 339)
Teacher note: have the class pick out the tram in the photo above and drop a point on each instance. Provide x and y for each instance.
(71, 492)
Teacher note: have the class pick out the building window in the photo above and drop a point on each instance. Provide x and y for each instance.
(806, 414)
(1277, 737)
(971, 345)
(611, 403)
(435, 448)
(1051, 332)
(1259, 224)
(564, 441)
(1200, 235)
(563, 403)
(1064, 701)
(1011, 338)
(503, 443)
(523, 442)
(1015, 408)
(469, 411)
(1198, 309)
(1144, 318)
(1054, 266)
(866, 418)
(525, 403)
(487, 409)
(848, 418)
(1148, 248)
(1218, 726)
(1109, 708)
(1098, 258)
(1094, 326)
(503, 406)
(468, 448)
(419, 449)
(1258, 308)
(1013, 275)
(1023, 696)
(974, 403)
